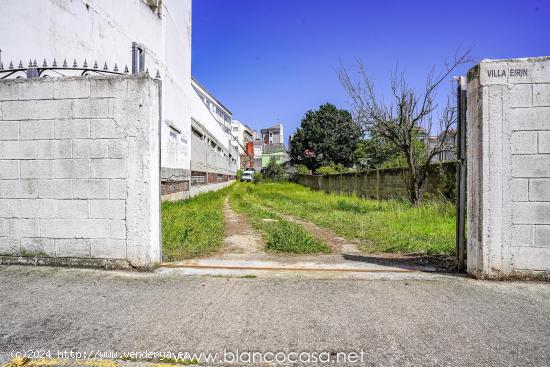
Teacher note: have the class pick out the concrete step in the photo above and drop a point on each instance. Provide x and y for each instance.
(319, 266)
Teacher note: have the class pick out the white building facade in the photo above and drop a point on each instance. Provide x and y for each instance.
(135, 35)
(242, 134)
(214, 159)
(103, 31)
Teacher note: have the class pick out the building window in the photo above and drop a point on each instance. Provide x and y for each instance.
(198, 178)
(174, 133)
(196, 133)
(138, 58)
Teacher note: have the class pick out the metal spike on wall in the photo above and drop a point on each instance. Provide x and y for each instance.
(95, 64)
(20, 64)
(105, 66)
(85, 64)
(126, 69)
(75, 65)
(44, 64)
(11, 64)
(1, 66)
(54, 63)
(30, 63)
(116, 68)
(35, 64)
(147, 71)
(65, 63)
(158, 74)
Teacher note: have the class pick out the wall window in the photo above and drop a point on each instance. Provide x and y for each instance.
(196, 133)
(138, 58)
(174, 133)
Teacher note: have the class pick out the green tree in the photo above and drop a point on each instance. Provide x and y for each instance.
(274, 171)
(374, 152)
(326, 136)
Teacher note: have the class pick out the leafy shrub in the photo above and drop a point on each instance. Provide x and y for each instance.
(257, 177)
(302, 170)
(332, 169)
(239, 174)
(274, 171)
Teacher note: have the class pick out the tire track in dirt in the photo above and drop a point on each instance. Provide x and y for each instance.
(337, 244)
(344, 246)
(239, 237)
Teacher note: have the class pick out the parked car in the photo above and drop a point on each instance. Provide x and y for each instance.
(248, 175)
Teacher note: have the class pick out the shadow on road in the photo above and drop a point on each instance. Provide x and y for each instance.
(420, 262)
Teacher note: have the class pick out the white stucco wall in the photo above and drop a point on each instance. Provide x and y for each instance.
(104, 30)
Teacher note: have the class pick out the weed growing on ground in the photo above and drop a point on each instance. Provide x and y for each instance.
(280, 234)
(381, 225)
(193, 227)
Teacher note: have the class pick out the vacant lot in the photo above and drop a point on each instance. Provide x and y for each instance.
(381, 225)
(195, 227)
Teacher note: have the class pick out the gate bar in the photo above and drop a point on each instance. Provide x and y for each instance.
(461, 175)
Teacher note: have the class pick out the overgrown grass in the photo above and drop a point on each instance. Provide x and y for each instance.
(280, 234)
(193, 227)
(381, 225)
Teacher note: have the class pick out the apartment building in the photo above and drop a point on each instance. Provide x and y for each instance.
(218, 110)
(242, 134)
(272, 141)
(214, 158)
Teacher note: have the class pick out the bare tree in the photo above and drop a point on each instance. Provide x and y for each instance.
(407, 118)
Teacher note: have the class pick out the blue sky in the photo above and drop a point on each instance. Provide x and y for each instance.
(270, 61)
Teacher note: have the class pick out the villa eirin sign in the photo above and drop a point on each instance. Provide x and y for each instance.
(498, 73)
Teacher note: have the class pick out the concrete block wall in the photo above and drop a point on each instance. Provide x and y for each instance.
(384, 183)
(79, 171)
(509, 167)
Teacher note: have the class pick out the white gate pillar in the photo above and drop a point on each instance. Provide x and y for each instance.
(508, 168)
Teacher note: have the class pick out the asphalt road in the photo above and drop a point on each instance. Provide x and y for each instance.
(446, 320)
